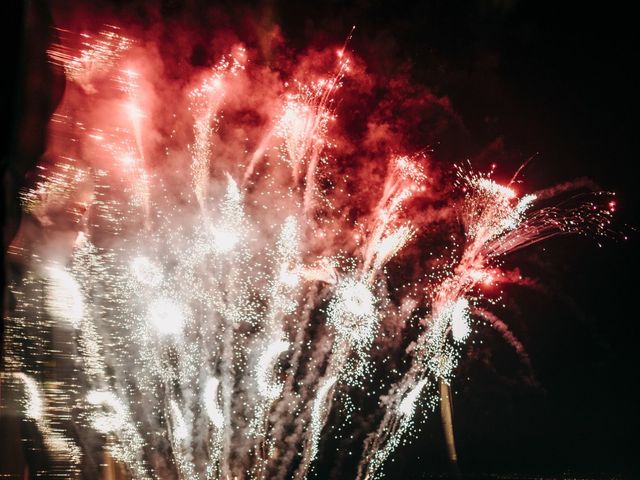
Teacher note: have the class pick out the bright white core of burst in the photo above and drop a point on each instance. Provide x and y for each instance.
(166, 316)
(356, 298)
(288, 277)
(224, 239)
(460, 328)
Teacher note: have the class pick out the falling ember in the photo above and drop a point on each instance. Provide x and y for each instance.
(218, 287)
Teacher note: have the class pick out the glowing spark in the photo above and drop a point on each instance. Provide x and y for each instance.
(495, 189)
(317, 412)
(34, 406)
(266, 387)
(180, 429)
(111, 420)
(210, 400)
(53, 438)
(460, 328)
(114, 418)
(391, 244)
(408, 404)
(95, 59)
(64, 296)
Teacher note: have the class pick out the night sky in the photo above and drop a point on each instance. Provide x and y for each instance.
(532, 79)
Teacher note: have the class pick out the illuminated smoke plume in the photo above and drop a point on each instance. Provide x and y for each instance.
(217, 290)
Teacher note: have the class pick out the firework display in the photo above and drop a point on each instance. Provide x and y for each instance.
(198, 301)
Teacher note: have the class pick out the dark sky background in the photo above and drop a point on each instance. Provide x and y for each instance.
(550, 79)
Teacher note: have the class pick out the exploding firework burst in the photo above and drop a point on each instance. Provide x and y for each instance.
(210, 307)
